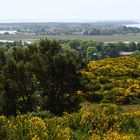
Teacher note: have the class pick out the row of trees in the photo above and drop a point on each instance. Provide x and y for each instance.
(119, 30)
(92, 50)
(38, 77)
(100, 28)
(112, 30)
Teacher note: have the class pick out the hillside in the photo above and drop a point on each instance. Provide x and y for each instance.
(45, 90)
(113, 80)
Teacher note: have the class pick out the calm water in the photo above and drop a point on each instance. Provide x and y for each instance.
(11, 41)
(10, 32)
(134, 25)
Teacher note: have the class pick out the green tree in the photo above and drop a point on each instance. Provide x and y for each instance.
(113, 50)
(90, 55)
(19, 84)
(74, 44)
(138, 46)
(2, 57)
(132, 46)
(57, 71)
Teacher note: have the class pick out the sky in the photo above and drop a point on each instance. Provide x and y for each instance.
(69, 10)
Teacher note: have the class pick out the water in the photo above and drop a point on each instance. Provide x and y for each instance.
(10, 32)
(11, 41)
(4, 41)
(134, 25)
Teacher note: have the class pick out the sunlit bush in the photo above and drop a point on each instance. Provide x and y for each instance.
(117, 80)
(105, 122)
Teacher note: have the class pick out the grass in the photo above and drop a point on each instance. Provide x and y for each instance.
(104, 38)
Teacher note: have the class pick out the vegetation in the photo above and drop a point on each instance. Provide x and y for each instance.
(95, 50)
(9, 44)
(113, 80)
(90, 28)
(44, 85)
(37, 77)
(105, 122)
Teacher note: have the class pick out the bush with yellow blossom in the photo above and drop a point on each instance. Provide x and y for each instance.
(113, 80)
(105, 122)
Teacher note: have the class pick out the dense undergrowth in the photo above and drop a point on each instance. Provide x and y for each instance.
(113, 80)
(105, 122)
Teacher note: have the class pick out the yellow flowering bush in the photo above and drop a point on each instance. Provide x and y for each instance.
(35, 138)
(64, 134)
(38, 127)
(2, 118)
(86, 117)
(112, 136)
(105, 122)
(117, 80)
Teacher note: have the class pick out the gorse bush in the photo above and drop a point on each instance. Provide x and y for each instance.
(102, 123)
(113, 80)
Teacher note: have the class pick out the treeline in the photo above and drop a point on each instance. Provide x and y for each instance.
(112, 31)
(38, 77)
(95, 50)
(89, 28)
(88, 49)
(85, 30)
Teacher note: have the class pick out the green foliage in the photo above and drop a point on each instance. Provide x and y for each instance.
(91, 53)
(74, 44)
(104, 122)
(39, 77)
(132, 46)
(42, 114)
(95, 50)
(19, 84)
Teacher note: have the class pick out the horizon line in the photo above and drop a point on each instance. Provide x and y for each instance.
(63, 20)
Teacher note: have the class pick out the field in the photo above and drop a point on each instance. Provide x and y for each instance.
(104, 38)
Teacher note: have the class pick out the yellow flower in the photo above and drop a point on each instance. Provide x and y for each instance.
(35, 138)
(64, 134)
(2, 118)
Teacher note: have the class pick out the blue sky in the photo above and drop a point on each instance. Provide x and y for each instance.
(59, 10)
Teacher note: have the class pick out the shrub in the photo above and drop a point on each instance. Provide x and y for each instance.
(105, 122)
